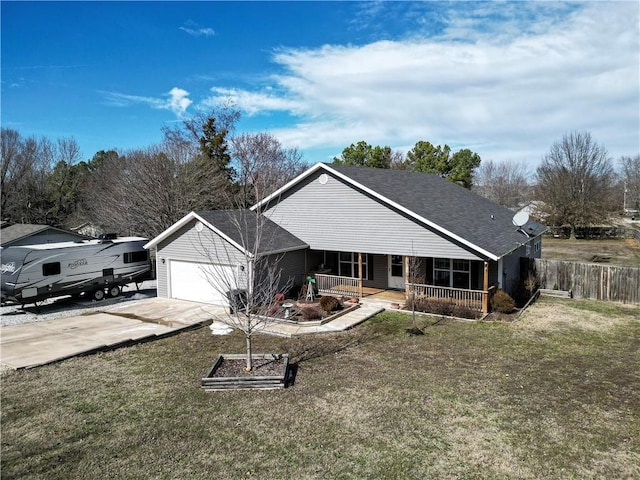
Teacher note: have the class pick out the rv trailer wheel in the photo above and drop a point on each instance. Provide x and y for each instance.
(98, 294)
(114, 291)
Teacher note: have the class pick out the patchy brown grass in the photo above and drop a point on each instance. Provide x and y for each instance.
(557, 315)
(625, 252)
(546, 397)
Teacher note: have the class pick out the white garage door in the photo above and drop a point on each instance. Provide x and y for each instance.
(200, 282)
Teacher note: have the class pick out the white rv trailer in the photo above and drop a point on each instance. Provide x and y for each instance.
(94, 267)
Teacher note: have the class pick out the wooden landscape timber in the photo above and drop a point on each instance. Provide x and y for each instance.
(212, 383)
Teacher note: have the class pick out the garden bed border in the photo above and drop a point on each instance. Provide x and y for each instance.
(265, 382)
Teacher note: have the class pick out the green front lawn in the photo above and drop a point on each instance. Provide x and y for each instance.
(541, 398)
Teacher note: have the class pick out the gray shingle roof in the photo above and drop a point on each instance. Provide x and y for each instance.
(453, 208)
(18, 231)
(240, 226)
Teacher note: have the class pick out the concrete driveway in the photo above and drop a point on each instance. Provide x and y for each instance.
(33, 344)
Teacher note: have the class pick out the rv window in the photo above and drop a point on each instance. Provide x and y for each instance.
(133, 257)
(51, 269)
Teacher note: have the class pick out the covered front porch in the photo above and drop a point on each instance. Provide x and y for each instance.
(466, 283)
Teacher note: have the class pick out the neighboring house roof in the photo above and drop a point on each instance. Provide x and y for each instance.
(87, 228)
(19, 231)
(454, 211)
(240, 227)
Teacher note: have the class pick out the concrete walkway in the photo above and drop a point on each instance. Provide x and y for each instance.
(344, 322)
(39, 343)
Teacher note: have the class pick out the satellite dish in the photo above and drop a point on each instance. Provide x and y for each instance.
(520, 218)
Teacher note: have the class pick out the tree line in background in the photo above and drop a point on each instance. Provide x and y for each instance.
(576, 184)
(423, 157)
(201, 165)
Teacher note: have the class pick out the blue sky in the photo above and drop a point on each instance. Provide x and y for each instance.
(505, 79)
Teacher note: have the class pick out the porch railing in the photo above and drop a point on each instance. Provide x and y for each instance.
(335, 285)
(474, 299)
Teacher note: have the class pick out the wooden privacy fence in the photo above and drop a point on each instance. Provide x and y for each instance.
(598, 282)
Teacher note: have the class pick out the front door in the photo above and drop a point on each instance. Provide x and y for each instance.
(396, 272)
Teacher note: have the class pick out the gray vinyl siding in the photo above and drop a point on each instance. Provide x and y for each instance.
(511, 263)
(511, 269)
(162, 277)
(292, 266)
(493, 273)
(379, 270)
(190, 245)
(335, 216)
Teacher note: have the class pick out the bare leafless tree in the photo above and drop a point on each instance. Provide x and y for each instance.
(575, 181)
(415, 275)
(145, 191)
(64, 180)
(140, 192)
(201, 145)
(251, 277)
(398, 161)
(262, 166)
(24, 168)
(630, 172)
(189, 131)
(505, 183)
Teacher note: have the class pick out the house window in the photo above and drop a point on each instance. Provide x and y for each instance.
(397, 268)
(536, 246)
(442, 272)
(51, 269)
(348, 265)
(452, 273)
(134, 257)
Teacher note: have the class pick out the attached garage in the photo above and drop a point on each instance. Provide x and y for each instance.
(205, 254)
(201, 282)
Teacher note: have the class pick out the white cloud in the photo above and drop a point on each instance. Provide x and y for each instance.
(251, 102)
(196, 31)
(506, 86)
(177, 100)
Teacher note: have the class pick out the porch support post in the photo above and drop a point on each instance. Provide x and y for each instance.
(485, 288)
(405, 270)
(360, 274)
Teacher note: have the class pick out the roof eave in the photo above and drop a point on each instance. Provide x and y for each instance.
(284, 250)
(544, 229)
(288, 185)
(184, 221)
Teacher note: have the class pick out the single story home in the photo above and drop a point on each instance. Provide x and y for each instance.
(17, 234)
(358, 229)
